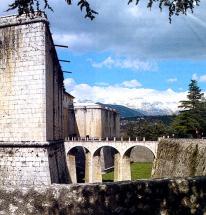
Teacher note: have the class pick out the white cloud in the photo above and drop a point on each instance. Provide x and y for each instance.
(172, 80)
(131, 97)
(201, 78)
(69, 84)
(133, 64)
(131, 84)
(194, 77)
(101, 84)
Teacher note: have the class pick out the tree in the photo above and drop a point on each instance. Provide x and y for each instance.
(191, 122)
(151, 130)
(194, 97)
(175, 7)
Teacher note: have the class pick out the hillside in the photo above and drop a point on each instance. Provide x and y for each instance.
(124, 111)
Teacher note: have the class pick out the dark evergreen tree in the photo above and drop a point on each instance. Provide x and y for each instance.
(194, 96)
(191, 122)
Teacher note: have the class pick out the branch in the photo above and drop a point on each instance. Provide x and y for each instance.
(29, 7)
(175, 7)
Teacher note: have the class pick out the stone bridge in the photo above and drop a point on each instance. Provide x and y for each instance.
(93, 172)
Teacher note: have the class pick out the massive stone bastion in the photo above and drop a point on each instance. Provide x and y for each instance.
(180, 158)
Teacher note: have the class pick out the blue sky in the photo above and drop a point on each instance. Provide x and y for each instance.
(129, 55)
(174, 74)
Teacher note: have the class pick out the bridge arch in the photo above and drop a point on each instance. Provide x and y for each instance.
(127, 152)
(150, 147)
(122, 148)
(76, 163)
(145, 151)
(97, 151)
(78, 146)
(104, 159)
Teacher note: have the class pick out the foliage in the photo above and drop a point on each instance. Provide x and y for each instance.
(138, 171)
(191, 122)
(29, 7)
(194, 97)
(175, 7)
(151, 130)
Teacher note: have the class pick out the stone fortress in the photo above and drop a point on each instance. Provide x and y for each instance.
(36, 116)
(89, 120)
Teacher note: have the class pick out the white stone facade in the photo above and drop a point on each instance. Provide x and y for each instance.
(31, 108)
(96, 121)
(30, 104)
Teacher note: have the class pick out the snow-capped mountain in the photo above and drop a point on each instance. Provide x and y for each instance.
(146, 110)
(154, 109)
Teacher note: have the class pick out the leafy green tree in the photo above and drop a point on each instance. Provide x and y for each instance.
(191, 122)
(175, 7)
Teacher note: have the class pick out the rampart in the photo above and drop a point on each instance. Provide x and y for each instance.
(180, 158)
(168, 197)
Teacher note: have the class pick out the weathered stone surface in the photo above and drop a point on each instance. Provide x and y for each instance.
(31, 81)
(31, 109)
(26, 164)
(180, 158)
(169, 197)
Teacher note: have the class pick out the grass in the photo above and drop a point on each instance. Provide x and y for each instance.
(138, 171)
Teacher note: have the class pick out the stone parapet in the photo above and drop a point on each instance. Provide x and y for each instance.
(149, 197)
(29, 143)
(13, 20)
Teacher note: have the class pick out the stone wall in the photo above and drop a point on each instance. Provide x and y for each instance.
(54, 90)
(180, 158)
(31, 110)
(22, 79)
(32, 164)
(19, 166)
(31, 81)
(166, 197)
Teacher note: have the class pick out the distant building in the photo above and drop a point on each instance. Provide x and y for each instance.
(96, 121)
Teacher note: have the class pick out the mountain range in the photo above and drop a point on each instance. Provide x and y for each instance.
(146, 110)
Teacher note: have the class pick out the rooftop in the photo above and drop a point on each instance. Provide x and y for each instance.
(92, 106)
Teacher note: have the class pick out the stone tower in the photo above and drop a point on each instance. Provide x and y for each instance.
(31, 111)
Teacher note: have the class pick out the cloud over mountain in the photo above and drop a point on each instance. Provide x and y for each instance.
(125, 95)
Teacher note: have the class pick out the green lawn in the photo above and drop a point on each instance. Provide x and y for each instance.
(139, 171)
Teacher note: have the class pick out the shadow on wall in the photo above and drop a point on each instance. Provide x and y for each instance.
(141, 154)
(57, 164)
(152, 197)
(78, 154)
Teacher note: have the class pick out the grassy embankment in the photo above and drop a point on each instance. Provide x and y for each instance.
(139, 171)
